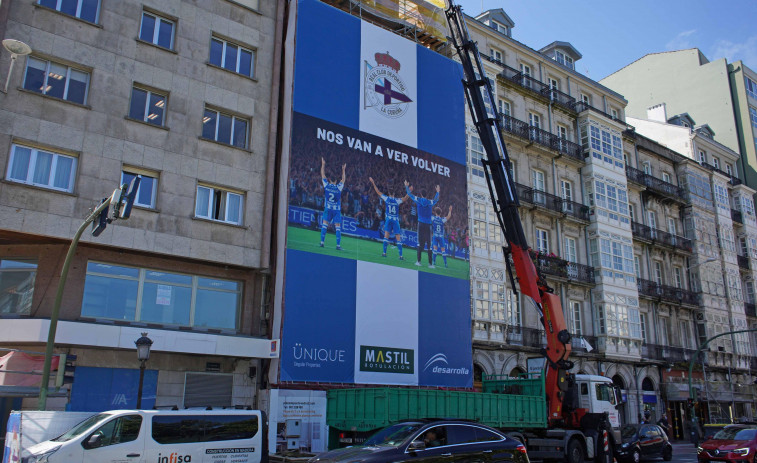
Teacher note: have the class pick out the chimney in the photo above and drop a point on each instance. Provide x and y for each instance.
(657, 113)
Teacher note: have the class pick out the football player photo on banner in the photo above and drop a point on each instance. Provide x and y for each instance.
(377, 217)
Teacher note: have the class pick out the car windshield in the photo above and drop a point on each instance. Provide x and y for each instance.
(393, 435)
(82, 427)
(628, 431)
(736, 434)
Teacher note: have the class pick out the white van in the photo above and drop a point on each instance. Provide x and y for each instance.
(160, 436)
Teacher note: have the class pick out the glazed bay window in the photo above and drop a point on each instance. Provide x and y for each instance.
(220, 205)
(56, 80)
(147, 106)
(151, 296)
(225, 128)
(157, 30)
(88, 10)
(17, 286)
(42, 168)
(233, 57)
(147, 190)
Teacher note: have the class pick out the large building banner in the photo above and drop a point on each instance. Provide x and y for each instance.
(377, 272)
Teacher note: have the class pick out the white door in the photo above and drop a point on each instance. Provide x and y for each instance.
(120, 439)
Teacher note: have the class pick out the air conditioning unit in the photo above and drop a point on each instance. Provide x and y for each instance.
(293, 428)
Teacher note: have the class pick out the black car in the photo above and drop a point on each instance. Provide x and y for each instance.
(431, 441)
(644, 441)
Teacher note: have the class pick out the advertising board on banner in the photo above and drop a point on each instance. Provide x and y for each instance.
(377, 263)
(309, 408)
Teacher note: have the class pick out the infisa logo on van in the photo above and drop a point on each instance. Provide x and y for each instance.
(387, 359)
(174, 458)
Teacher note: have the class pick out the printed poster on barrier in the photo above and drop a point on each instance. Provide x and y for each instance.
(377, 260)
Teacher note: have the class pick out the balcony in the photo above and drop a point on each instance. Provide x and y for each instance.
(529, 83)
(575, 210)
(750, 309)
(737, 216)
(731, 179)
(522, 129)
(580, 346)
(538, 198)
(743, 261)
(571, 271)
(559, 98)
(667, 353)
(653, 290)
(654, 184)
(653, 235)
(581, 106)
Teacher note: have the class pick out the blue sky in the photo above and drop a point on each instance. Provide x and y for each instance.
(611, 34)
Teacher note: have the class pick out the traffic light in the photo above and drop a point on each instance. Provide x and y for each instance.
(122, 209)
(102, 220)
(66, 368)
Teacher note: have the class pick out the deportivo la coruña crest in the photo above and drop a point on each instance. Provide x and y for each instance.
(384, 89)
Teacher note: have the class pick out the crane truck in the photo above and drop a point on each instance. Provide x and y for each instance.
(558, 416)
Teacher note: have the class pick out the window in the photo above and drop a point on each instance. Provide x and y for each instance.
(117, 431)
(586, 99)
(685, 333)
(17, 286)
(542, 240)
(225, 128)
(220, 205)
(495, 55)
(729, 169)
(534, 120)
(87, 10)
(702, 157)
(672, 228)
(537, 182)
(643, 321)
(751, 87)
(564, 59)
(666, 177)
(637, 266)
(567, 195)
(562, 132)
(233, 57)
(157, 30)
(43, 168)
(148, 187)
(678, 276)
(570, 249)
(503, 107)
(647, 168)
(498, 27)
(152, 296)
(147, 106)
(614, 113)
(652, 219)
(575, 310)
(631, 212)
(182, 429)
(56, 80)
(476, 156)
(658, 272)
(716, 162)
(525, 70)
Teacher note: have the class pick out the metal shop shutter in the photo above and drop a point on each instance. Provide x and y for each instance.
(208, 390)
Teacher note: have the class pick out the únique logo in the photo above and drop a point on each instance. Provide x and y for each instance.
(387, 359)
(439, 364)
(312, 357)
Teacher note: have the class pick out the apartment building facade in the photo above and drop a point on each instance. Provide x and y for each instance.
(181, 94)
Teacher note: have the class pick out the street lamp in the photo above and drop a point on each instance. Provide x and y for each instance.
(16, 49)
(143, 354)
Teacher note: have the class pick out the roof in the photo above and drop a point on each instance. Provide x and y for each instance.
(683, 116)
(498, 15)
(572, 52)
(650, 54)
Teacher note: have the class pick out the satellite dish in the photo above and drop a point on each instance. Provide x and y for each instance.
(17, 47)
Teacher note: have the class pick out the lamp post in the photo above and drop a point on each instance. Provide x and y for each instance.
(143, 353)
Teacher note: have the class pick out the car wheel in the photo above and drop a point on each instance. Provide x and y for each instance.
(635, 456)
(575, 452)
(667, 454)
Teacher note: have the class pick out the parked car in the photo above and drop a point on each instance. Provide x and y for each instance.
(735, 443)
(643, 442)
(431, 440)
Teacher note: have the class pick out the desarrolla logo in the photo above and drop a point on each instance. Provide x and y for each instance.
(387, 359)
(438, 364)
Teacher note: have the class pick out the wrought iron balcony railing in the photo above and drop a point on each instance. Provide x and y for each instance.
(555, 266)
(525, 131)
(574, 209)
(581, 106)
(668, 353)
(560, 98)
(646, 233)
(654, 184)
(651, 289)
(538, 197)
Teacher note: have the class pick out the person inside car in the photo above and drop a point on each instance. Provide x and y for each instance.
(431, 439)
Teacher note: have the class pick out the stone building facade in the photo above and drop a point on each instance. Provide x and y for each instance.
(180, 93)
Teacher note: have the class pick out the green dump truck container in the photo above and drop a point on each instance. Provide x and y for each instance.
(511, 404)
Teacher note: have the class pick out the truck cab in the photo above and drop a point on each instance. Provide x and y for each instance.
(598, 394)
